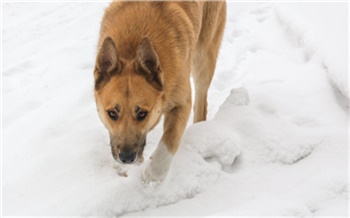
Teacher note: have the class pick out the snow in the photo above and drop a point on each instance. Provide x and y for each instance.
(275, 142)
(324, 32)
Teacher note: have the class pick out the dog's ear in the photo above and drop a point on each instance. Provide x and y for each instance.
(147, 63)
(107, 63)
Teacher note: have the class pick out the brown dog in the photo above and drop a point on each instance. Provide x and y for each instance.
(146, 53)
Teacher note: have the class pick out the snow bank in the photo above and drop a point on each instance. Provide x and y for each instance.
(322, 28)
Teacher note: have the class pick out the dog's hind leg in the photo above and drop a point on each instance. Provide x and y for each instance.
(204, 60)
(203, 71)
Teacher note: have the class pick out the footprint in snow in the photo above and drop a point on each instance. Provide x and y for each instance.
(261, 13)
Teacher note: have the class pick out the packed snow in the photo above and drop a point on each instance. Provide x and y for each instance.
(275, 142)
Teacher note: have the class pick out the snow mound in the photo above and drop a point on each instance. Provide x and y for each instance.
(214, 141)
(268, 136)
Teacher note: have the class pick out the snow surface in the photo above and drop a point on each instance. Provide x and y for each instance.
(275, 142)
(322, 31)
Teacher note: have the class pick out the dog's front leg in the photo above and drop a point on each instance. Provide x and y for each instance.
(174, 125)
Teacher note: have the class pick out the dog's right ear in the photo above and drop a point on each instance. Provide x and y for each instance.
(107, 62)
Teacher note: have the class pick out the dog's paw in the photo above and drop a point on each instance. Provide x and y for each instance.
(158, 167)
(154, 172)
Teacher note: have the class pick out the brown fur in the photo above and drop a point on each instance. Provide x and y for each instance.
(146, 53)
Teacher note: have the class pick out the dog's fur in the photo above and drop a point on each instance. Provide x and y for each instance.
(146, 53)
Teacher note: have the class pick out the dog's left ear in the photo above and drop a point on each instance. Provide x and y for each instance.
(147, 63)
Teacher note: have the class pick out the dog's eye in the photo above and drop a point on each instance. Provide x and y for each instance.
(113, 114)
(141, 115)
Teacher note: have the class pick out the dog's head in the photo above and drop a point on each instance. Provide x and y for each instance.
(128, 96)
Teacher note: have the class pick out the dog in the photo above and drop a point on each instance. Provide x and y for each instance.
(146, 52)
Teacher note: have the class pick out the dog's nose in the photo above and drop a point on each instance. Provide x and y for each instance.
(127, 157)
